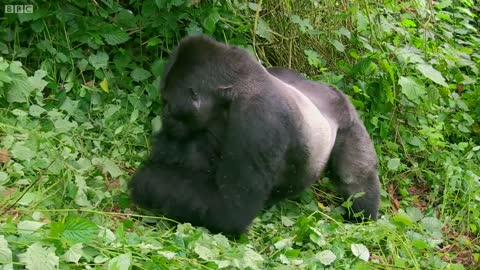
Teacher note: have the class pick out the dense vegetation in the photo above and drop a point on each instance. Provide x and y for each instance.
(79, 100)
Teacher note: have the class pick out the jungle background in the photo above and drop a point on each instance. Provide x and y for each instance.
(79, 101)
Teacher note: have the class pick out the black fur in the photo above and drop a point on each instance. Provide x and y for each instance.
(237, 137)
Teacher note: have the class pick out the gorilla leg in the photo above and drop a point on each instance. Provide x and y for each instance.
(354, 165)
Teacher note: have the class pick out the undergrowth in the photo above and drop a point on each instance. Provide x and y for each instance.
(79, 100)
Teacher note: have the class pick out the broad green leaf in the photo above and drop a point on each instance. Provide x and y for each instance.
(74, 253)
(402, 218)
(121, 262)
(19, 90)
(69, 105)
(116, 37)
(393, 164)
(314, 58)
(252, 259)
(287, 222)
(112, 168)
(326, 257)
(4, 77)
(283, 243)
(210, 22)
(338, 45)
(16, 68)
(304, 24)
(134, 116)
(193, 29)
(206, 253)
(409, 55)
(99, 60)
(79, 230)
(3, 176)
(443, 4)
(263, 30)
(22, 152)
(360, 251)
(432, 74)
(5, 253)
(412, 88)
(111, 110)
(38, 257)
(82, 64)
(36, 110)
(63, 125)
(28, 226)
(414, 213)
(433, 225)
(140, 74)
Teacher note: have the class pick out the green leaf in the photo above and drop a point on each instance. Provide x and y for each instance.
(432, 74)
(140, 74)
(210, 22)
(4, 77)
(360, 251)
(408, 55)
(338, 45)
(5, 253)
(287, 222)
(134, 116)
(263, 30)
(74, 253)
(326, 257)
(252, 259)
(16, 68)
(80, 230)
(116, 37)
(36, 110)
(157, 67)
(28, 226)
(22, 152)
(38, 257)
(37, 81)
(314, 58)
(63, 125)
(393, 164)
(412, 88)
(112, 168)
(3, 177)
(121, 262)
(206, 253)
(99, 60)
(304, 24)
(409, 23)
(69, 106)
(19, 90)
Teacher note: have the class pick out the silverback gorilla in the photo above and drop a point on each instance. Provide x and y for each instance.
(238, 137)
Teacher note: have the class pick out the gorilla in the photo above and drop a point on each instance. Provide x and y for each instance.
(237, 137)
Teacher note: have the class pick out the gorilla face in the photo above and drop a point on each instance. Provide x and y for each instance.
(187, 108)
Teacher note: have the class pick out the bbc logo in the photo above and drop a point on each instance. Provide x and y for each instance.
(18, 8)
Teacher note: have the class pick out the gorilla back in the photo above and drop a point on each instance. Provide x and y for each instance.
(274, 133)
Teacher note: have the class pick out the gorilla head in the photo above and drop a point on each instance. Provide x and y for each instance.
(267, 135)
(196, 88)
